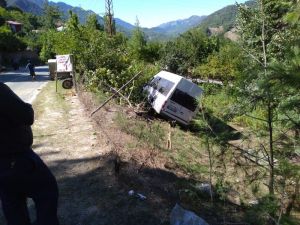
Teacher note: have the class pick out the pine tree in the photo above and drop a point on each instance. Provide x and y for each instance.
(265, 38)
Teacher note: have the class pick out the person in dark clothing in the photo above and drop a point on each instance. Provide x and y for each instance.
(30, 67)
(22, 173)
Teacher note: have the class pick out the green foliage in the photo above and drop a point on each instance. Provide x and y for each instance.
(221, 188)
(2, 21)
(93, 24)
(102, 77)
(100, 59)
(150, 134)
(224, 64)
(29, 21)
(152, 52)
(73, 22)
(269, 13)
(268, 84)
(137, 43)
(187, 51)
(33, 41)
(260, 213)
(9, 41)
(225, 17)
(51, 15)
(26, 38)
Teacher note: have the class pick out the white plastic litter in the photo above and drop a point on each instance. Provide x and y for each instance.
(138, 195)
(180, 216)
(131, 192)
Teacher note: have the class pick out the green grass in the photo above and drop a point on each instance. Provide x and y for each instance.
(187, 151)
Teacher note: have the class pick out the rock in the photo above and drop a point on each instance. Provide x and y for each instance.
(180, 216)
(233, 197)
(253, 202)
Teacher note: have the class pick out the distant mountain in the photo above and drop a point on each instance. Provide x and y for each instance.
(174, 28)
(33, 6)
(224, 17)
(124, 24)
(36, 7)
(81, 13)
(179, 26)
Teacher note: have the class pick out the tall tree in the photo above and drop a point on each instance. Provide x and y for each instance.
(137, 42)
(264, 37)
(93, 24)
(109, 21)
(51, 16)
(73, 22)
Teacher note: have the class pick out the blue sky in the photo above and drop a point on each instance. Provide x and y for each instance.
(151, 13)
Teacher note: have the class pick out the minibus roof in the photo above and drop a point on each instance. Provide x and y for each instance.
(169, 76)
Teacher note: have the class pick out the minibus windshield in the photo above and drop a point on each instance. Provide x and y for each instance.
(184, 99)
(162, 85)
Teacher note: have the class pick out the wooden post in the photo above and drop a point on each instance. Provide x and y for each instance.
(55, 81)
(169, 140)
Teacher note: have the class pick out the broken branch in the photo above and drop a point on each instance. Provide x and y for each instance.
(111, 97)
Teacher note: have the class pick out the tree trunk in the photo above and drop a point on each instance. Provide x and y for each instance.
(271, 149)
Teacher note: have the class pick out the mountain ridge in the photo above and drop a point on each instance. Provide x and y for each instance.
(223, 17)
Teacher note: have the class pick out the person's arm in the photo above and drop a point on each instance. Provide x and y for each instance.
(17, 111)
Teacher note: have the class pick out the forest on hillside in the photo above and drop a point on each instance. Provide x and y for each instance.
(260, 74)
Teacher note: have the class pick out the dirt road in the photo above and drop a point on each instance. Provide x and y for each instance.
(80, 158)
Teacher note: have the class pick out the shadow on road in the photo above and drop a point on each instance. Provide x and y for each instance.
(18, 77)
(100, 196)
(22, 75)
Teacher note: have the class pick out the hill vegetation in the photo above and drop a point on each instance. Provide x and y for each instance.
(225, 17)
(162, 32)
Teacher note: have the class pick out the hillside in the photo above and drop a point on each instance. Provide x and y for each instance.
(82, 14)
(224, 17)
(174, 28)
(36, 7)
(32, 6)
(162, 32)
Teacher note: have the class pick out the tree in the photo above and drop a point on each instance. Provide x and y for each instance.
(188, 51)
(10, 42)
(93, 24)
(51, 16)
(137, 42)
(224, 65)
(109, 21)
(73, 22)
(264, 37)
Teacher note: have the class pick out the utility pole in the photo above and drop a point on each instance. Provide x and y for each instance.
(109, 22)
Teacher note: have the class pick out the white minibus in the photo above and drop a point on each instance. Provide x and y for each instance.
(173, 96)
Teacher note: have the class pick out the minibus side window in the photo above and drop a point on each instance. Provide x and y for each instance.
(184, 100)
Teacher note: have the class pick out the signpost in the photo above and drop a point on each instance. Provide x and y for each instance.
(65, 70)
(64, 63)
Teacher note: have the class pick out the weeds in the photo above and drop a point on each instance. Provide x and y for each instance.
(151, 134)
